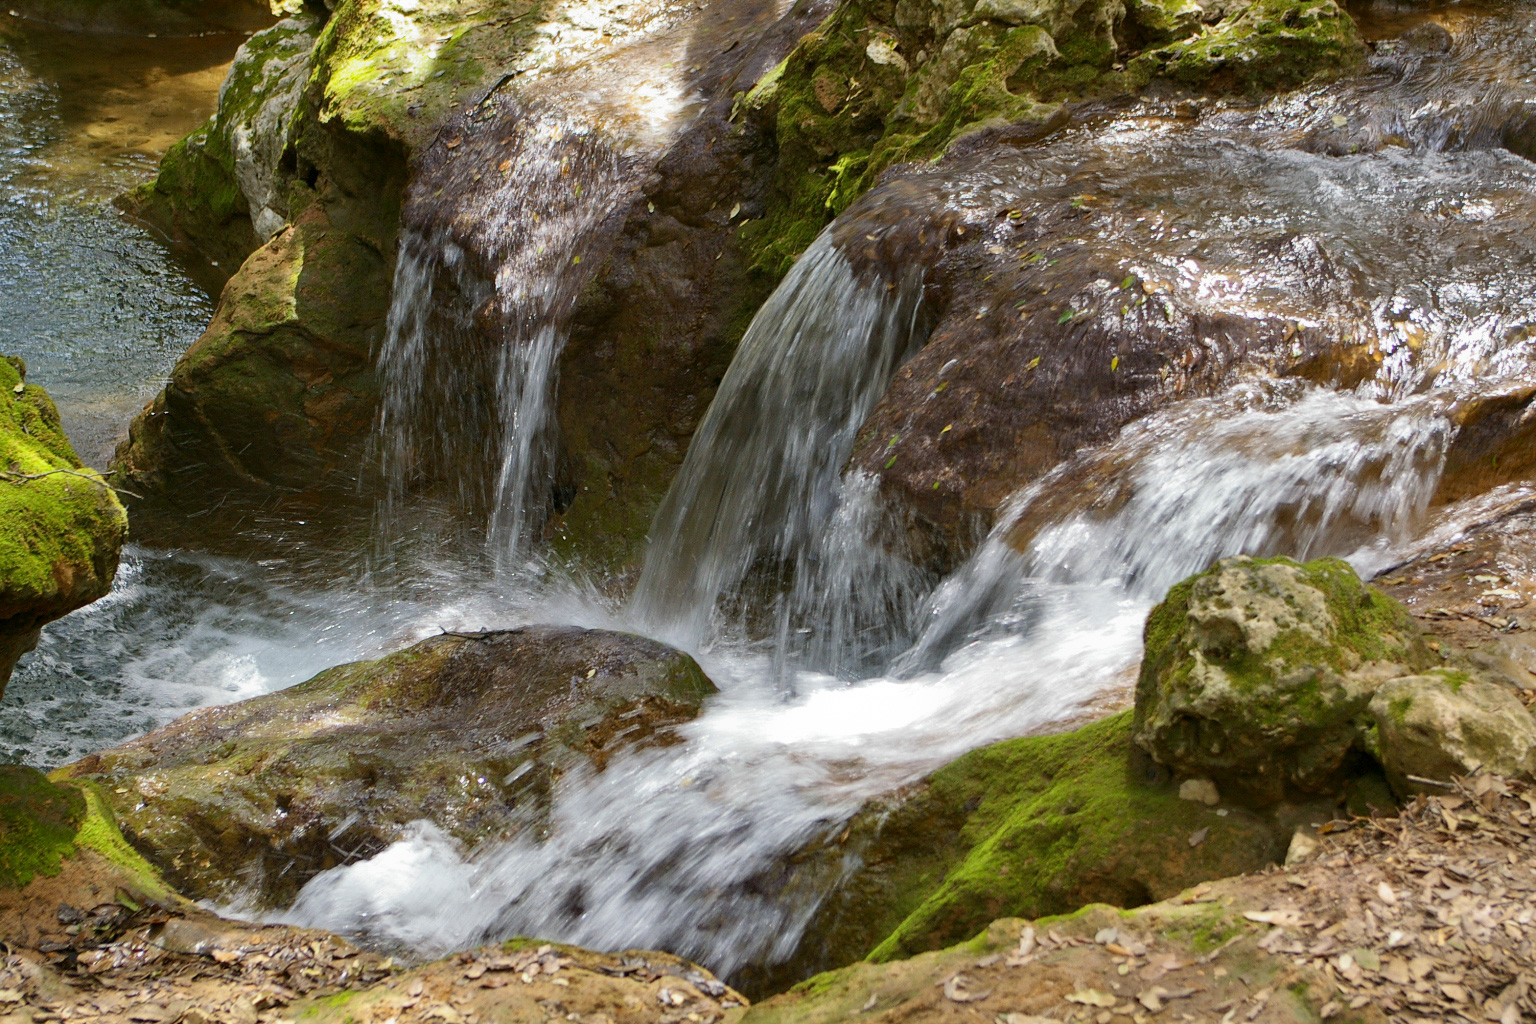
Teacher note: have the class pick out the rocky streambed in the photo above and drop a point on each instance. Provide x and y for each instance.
(810, 489)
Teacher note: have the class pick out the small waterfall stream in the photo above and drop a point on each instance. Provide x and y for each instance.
(844, 671)
(480, 309)
(761, 489)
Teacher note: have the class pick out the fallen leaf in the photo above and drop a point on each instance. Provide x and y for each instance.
(1092, 997)
(1199, 837)
(956, 991)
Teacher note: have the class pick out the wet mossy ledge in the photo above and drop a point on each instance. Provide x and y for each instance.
(883, 82)
(61, 526)
(470, 731)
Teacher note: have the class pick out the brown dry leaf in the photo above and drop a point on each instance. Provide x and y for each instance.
(1092, 997)
(956, 989)
(1282, 918)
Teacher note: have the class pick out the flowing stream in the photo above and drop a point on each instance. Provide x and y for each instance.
(844, 671)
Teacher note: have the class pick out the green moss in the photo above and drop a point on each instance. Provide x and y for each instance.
(869, 89)
(99, 832)
(1060, 821)
(60, 525)
(1269, 45)
(38, 822)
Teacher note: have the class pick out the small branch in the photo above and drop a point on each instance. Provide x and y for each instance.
(21, 478)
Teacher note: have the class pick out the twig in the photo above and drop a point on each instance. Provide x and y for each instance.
(21, 478)
(1431, 782)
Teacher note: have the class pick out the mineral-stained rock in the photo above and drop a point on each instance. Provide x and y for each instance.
(466, 730)
(61, 526)
(1040, 825)
(1258, 673)
(1446, 723)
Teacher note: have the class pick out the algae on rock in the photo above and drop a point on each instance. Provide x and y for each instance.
(469, 731)
(1032, 826)
(61, 526)
(882, 82)
(1258, 673)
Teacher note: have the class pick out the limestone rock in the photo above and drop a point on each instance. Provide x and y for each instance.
(1258, 673)
(469, 731)
(1446, 723)
(61, 526)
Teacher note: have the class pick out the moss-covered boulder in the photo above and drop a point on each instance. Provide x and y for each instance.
(279, 391)
(1259, 673)
(62, 858)
(882, 82)
(222, 191)
(1033, 826)
(469, 731)
(1447, 723)
(61, 526)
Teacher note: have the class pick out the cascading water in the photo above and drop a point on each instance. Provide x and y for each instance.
(479, 314)
(687, 847)
(761, 490)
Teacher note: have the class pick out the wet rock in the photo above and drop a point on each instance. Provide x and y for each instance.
(1267, 45)
(279, 391)
(65, 870)
(1447, 723)
(1258, 673)
(221, 190)
(879, 84)
(1034, 826)
(468, 731)
(61, 526)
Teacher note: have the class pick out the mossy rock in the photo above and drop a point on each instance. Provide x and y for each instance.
(1258, 673)
(1448, 723)
(1266, 46)
(469, 731)
(881, 83)
(220, 191)
(1032, 826)
(61, 526)
(59, 844)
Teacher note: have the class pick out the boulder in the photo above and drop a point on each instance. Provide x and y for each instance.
(61, 526)
(1032, 826)
(469, 731)
(878, 84)
(221, 191)
(1259, 673)
(1447, 723)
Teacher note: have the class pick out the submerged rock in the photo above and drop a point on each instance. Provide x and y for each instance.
(1258, 673)
(468, 731)
(140, 17)
(1446, 723)
(61, 526)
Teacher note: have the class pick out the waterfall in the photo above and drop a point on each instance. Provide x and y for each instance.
(504, 218)
(762, 481)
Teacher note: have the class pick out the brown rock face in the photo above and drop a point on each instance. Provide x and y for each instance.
(469, 731)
